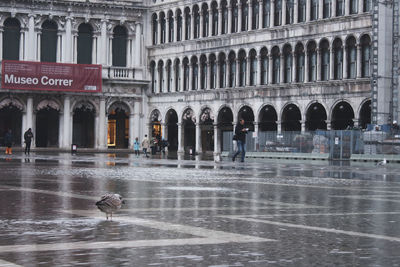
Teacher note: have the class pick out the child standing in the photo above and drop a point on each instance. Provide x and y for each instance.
(136, 146)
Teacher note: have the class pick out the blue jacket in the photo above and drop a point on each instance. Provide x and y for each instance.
(136, 145)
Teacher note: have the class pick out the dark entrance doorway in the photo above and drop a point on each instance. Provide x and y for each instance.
(11, 118)
(172, 130)
(365, 114)
(291, 117)
(342, 116)
(83, 126)
(189, 131)
(316, 117)
(118, 129)
(47, 127)
(207, 130)
(225, 120)
(267, 119)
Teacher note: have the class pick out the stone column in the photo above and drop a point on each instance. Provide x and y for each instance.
(136, 120)
(328, 125)
(246, 82)
(182, 81)
(59, 51)
(159, 31)
(306, 71)
(94, 49)
(217, 78)
(270, 69)
(279, 126)
(183, 26)
(360, 6)
(68, 40)
(346, 7)
(256, 144)
(29, 113)
(319, 65)
(308, 10)
(180, 138)
(190, 85)
(198, 139)
(208, 84)
(303, 126)
(38, 47)
(210, 22)
(138, 47)
(240, 17)
(333, 14)
(237, 78)
(272, 14)
(284, 12)
(260, 14)
(30, 53)
(219, 21)
(295, 11)
(201, 32)
(282, 69)
(129, 51)
(359, 61)
(67, 123)
(75, 47)
(103, 43)
(250, 16)
(229, 18)
(217, 145)
(102, 136)
(258, 77)
(344, 67)
(320, 9)
(294, 65)
(228, 69)
(131, 130)
(21, 45)
(167, 30)
(331, 65)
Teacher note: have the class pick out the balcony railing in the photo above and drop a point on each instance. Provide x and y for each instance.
(122, 73)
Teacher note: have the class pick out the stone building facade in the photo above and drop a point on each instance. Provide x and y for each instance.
(84, 32)
(282, 65)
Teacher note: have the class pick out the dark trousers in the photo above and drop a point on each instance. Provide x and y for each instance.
(241, 148)
(145, 152)
(28, 147)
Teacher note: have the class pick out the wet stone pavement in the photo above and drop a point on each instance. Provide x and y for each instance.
(197, 213)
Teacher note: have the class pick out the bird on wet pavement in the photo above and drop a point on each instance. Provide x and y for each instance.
(381, 163)
(110, 203)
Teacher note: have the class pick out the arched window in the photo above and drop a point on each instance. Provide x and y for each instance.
(196, 18)
(278, 13)
(327, 9)
(289, 11)
(85, 40)
(264, 65)
(195, 73)
(242, 68)
(253, 67)
(155, 29)
(354, 6)
(302, 11)
(213, 71)
(339, 7)
(153, 76)
(365, 56)
(11, 39)
(312, 61)
(162, 27)
(188, 25)
(287, 62)
(324, 48)
(205, 20)
(169, 76)
(224, 19)
(266, 13)
(178, 25)
(48, 42)
(338, 59)
(185, 74)
(351, 58)
(245, 15)
(170, 26)
(222, 70)
(177, 76)
(232, 69)
(203, 72)
(314, 10)
(161, 76)
(276, 65)
(214, 8)
(255, 20)
(367, 5)
(300, 62)
(235, 14)
(119, 47)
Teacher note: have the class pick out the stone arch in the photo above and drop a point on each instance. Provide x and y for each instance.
(83, 119)
(342, 115)
(11, 110)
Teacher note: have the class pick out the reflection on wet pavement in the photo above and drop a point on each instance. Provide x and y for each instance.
(182, 212)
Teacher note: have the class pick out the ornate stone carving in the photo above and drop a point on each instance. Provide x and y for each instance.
(48, 104)
(155, 115)
(206, 115)
(189, 115)
(8, 102)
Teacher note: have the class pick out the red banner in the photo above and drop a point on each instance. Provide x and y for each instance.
(27, 75)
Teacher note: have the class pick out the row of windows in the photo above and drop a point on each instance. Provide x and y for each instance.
(230, 16)
(49, 40)
(286, 65)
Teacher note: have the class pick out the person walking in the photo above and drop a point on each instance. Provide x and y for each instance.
(145, 145)
(240, 133)
(8, 138)
(28, 135)
(136, 146)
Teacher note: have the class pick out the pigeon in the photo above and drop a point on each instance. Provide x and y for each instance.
(383, 162)
(110, 203)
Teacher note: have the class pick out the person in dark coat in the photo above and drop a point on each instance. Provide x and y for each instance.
(240, 133)
(8, 138)
(28, 135)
